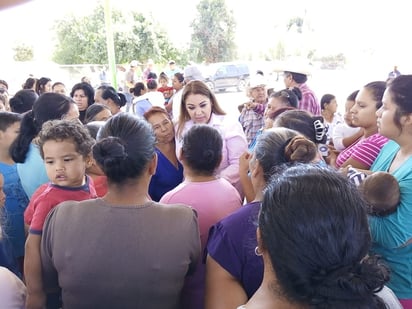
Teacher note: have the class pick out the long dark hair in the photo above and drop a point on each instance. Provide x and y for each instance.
(48, 106)
(313, 224)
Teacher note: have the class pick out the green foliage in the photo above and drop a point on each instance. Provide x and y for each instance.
(23, 52)
(213, 32)
(82, 40)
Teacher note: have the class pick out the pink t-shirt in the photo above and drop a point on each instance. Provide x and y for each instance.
(364, 151)
(212, 200)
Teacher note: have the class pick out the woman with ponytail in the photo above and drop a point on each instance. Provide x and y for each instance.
(233, 271)
(24, 151)
(113, 100)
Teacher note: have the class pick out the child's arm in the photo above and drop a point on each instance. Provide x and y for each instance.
(36, 298)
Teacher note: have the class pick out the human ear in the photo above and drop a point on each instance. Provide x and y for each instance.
(153, 165)
(89, 160)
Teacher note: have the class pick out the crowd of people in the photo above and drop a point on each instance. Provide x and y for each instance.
(153, 197)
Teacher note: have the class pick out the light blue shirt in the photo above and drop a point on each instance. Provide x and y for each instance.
(391, 233)
(32, 172)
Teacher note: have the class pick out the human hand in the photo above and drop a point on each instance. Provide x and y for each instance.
(330, 159)
(249, 105)
(244, 162)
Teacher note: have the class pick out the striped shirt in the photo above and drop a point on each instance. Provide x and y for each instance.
(364, 151)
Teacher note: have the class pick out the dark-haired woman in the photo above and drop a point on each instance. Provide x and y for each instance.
(169, 171)
(23, 101)
(392, 234)
(307, 222)
(233, 271)
(137, 252)
(329, 107)
(43, 85)
(113, 100)
(97, 112)
(364, 151)
(24, 151)
(83, 95)
(140, 102)
(211, 196)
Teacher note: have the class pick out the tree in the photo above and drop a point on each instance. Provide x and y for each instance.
(23, 52)
(82, 40)
(213, 34)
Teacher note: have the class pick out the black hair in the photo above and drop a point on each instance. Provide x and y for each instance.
(29, 83)
(93, 110)
(48, 106)
(118, 98)
(352, 96)
(137, 89)
(202, 149)
(151, 84)
(2, 81)
(151, 75)
(125, 146)
(7, 119)
(310, 126)
(326, 99)
(23, 101)
(400, 91)
(314, 226)
(289, 97)
(41, 83)
(89, 93)
(163, 75)
(298, 77)
(180, 77)
(277, 146)
(59, 130)
(377, 89)
(94, 127)
(87, 89)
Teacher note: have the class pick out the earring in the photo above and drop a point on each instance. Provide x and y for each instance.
(258, 252)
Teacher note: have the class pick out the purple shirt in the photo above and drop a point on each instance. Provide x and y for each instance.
(232, 243)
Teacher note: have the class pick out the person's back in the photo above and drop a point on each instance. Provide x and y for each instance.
(200, 155)
(126, 260)
(122, 250)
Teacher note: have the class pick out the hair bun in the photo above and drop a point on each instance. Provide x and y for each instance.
(300, 149)
(109, 151)
(349, 283)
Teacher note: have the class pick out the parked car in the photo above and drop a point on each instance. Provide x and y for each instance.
(223, 75)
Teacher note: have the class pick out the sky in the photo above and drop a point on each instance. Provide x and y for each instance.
(373, 34)
(370, 30)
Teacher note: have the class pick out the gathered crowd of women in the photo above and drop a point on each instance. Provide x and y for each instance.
(175, 204)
